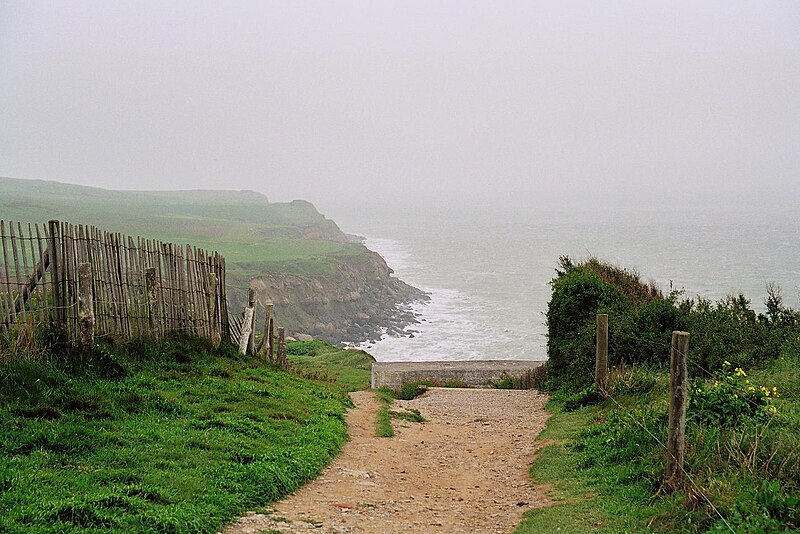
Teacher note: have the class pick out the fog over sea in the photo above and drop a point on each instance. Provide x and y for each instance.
(488, 273)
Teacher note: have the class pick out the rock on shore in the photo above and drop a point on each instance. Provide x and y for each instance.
(360, 302)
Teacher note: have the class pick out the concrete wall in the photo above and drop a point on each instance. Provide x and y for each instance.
(475, 373)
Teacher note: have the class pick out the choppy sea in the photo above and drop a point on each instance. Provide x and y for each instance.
(488, 275)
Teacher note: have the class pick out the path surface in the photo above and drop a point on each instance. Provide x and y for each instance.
(464, 470)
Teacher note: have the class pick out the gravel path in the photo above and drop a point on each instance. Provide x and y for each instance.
(464, 470)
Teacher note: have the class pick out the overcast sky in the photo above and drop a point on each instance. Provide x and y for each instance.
(392, 101)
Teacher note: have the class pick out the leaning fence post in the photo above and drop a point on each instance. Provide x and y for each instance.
(677, 410)
(152, 301)
(601, 355)
(251, 302)
(247, 324)
(85, 304)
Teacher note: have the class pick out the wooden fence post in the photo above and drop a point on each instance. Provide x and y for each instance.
(153, 314)
(265, 339)
(54, 244)
(247, 324)
(216, 329)
(677, 410)
(271, 340)
(85, 304)
(601, 355)
(281, 357)
(252, 303)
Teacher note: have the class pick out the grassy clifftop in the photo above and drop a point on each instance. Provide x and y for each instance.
(243, 225)
(322, 283)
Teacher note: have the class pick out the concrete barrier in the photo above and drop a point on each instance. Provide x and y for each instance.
(475, 373)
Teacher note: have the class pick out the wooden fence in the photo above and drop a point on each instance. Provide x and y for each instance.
(138, 287)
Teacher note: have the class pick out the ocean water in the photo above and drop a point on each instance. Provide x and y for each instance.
(488, 273)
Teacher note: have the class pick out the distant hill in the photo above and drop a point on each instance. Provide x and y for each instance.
(296, 257)
(212, 218)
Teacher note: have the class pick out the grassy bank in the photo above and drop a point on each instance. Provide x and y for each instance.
(350, 369)
(254, 235)
(143, 438)
(605, 459)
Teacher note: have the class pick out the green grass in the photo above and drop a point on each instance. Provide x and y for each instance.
(383, 426)
(412, 415)
(586, 500)
(606, 472)
(174, 438)
(350, 369)
(254, 235)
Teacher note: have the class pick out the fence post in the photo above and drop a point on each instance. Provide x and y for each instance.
(271, 340)
(677, 410)
(152, 301)
(216, 330)
(54, 244)
(281, 357)
(247, 324)
(85, 304)
(251, 302)
(265, 339)
(601, 355)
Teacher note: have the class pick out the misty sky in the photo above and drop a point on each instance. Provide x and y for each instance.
(348, 102)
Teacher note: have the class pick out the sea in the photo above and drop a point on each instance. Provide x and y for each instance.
(488, 272)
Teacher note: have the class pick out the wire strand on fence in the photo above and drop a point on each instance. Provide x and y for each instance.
(683, 470)
(702, 369)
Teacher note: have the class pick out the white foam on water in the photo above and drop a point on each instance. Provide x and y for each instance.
(450, 326)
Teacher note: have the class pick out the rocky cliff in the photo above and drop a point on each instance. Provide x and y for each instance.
(323, 282)
(358, 302)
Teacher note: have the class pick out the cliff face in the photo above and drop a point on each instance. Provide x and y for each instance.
(322, 281)
(358, 302)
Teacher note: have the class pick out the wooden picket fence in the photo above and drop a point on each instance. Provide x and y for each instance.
(136, 287)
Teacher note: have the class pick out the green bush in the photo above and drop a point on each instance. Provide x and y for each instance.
(729, 396)
(768, 509)
(304, 348)
(641, 322)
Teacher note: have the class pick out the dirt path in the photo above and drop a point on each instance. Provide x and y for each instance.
(464, 470)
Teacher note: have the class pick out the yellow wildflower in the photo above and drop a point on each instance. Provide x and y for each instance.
(726, 362)
(740, 372)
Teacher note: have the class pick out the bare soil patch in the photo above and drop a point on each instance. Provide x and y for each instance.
(464, 470)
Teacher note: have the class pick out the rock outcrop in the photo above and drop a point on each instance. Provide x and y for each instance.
(359, 302)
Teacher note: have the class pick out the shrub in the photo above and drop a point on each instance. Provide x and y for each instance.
(729, 396)
(642, 319)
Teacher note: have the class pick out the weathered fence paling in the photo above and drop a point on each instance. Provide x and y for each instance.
(247, 324)
(135, 287)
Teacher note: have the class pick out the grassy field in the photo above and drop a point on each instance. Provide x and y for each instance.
(253, 234)
(169, 438)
